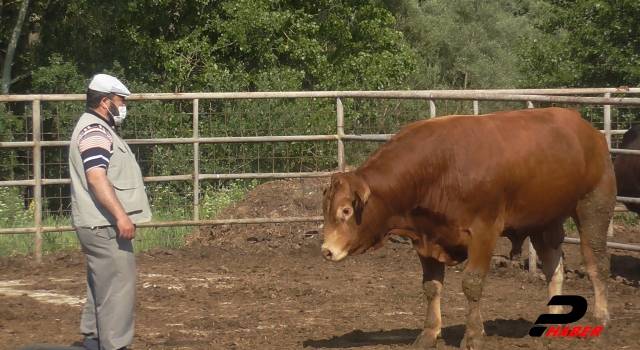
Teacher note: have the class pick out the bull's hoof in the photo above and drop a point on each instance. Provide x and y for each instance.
(602, 319)
(472, 344)
(426, 340)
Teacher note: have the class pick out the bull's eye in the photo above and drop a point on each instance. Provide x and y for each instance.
(346, 211)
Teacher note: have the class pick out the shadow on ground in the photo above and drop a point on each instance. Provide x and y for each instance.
(627, 267)
(452, 335)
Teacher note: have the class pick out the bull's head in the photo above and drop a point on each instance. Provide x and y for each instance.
(342, 207)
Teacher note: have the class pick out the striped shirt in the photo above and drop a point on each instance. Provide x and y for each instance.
(96, 146)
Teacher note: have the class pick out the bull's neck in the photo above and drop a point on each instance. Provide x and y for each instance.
(397, 189)
(379, 217)
(386, 212)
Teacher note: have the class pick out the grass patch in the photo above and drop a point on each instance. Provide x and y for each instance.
(13, 215)
(619, 218)
(626, 218)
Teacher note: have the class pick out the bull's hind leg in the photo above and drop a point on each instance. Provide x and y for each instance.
(550, 254)
(432, 280)
(482, 242)
(592, 217)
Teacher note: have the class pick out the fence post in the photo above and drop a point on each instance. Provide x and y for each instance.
(196, 162)
(607, 121)
(432, 109)
(475, 108)
(607, 135)
(342, 165)
(37, 176)
(533, 256)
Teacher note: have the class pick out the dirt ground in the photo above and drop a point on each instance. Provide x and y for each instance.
(267, 287)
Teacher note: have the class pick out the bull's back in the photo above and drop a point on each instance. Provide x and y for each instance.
(548, 167)
(528, 165)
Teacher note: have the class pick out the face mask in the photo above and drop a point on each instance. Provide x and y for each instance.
(122, 113)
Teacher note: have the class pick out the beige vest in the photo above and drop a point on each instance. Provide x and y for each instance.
(124, 174)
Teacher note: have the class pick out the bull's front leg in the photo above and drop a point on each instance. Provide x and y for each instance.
(472, 285)
(432, 280)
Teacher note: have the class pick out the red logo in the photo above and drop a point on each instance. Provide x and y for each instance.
(579, 308)
(573, 332)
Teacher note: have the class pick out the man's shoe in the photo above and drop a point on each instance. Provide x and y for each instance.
(91, 343)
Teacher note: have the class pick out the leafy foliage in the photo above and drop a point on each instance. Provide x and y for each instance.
(467, 44)
(232, 45)
(587, 43)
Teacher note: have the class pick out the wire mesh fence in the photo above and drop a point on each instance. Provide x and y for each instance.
(201, 152)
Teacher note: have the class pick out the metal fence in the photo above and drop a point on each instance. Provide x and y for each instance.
(198, 127)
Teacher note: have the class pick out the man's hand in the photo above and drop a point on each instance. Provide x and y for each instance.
(126, 228)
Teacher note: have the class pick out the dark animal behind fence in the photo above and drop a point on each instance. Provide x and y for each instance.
(627, 168)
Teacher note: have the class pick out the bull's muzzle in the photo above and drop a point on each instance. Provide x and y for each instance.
(326, 253)
(333, 253)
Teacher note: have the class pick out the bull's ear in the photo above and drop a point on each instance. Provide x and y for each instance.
(336, 179)
(362, 193)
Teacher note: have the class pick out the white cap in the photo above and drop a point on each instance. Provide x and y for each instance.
(108, 84)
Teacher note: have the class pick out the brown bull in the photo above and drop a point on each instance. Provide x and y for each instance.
(454, 185)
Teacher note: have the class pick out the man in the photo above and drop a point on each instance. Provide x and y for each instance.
(108, 198)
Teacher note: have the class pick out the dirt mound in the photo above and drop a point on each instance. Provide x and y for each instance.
(274, 199)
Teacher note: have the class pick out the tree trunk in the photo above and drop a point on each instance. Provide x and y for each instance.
(11, 49)
(1, 8)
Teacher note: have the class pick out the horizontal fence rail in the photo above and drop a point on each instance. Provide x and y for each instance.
(620, 246)
(525, 96)
(181, 223)
(534, 95)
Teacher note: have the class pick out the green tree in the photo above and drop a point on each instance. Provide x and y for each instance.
(6, 79)
(587, 43)
(232, 45)
(466, 44)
